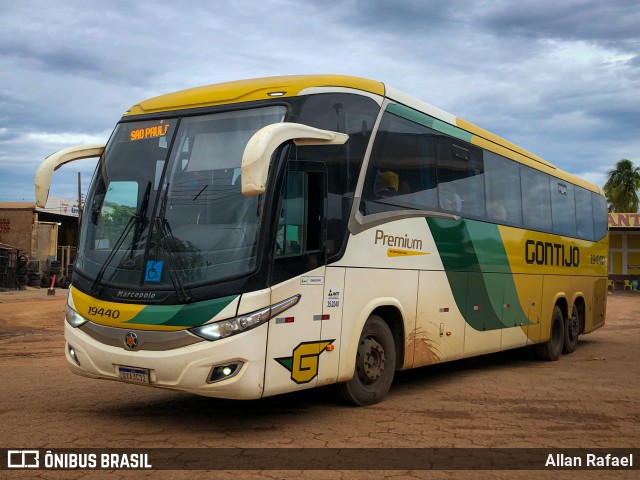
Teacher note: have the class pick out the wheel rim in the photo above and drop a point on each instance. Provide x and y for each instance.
(372, 361)
(573, 328)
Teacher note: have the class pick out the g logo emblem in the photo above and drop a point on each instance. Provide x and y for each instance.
(304, 362)
(131, 341)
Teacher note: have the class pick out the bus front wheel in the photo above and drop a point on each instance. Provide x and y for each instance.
(552, 349)
(375, 365)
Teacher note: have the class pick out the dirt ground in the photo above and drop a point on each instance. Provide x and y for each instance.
(589, 399)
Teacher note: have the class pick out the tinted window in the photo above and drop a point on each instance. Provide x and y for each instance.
(502, 179)
(600, 217)
(536, 199)
(291, 225)
(354, 115)
(563, 207)
(460, 177)
(402, 169)
(584, 214)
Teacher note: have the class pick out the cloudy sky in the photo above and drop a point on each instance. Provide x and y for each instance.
(560, 78)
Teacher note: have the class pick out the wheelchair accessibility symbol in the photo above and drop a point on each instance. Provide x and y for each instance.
(153, 272)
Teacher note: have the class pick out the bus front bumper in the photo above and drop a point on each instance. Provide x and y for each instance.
(188, 368)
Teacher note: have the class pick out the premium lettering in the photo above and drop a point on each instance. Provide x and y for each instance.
(402, 242)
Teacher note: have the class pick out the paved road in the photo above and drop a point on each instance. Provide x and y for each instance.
(588, 399)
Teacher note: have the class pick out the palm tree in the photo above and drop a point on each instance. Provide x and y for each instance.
(622, 186)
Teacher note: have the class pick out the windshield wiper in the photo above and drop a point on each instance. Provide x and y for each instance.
(164, 235)
(140, 226)
(137, 219)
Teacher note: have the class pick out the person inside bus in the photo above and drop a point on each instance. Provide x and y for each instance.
(449, 198)
(386, 183)
(496, 212)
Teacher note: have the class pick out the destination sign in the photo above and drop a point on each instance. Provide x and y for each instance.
(149, 132)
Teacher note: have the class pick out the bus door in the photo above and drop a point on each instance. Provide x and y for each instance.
(295, 345)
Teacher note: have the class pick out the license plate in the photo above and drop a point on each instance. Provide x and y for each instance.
(134, 375)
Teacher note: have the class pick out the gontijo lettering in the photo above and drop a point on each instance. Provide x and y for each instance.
(547, 253)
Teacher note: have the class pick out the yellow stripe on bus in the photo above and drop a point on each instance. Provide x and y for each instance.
(103, 312)
(398, 252)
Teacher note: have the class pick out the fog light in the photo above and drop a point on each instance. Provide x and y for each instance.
(223, 372)
(72, 354)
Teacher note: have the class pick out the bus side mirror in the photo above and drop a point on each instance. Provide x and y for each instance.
(260, 147)
(53, 162)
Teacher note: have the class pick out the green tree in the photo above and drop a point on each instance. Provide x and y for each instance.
(622, 186)
(114, 219)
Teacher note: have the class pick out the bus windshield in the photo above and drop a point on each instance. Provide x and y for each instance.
(165, 206)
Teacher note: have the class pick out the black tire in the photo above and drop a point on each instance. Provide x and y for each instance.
(22, 280)
(60, 279)
(55, 267)
(552, 349)
(571, 331)
(45, 282)
(375, 365)
(22, 260)
(21, 270)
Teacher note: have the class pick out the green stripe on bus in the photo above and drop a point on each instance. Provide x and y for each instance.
(189, 315)
(428, 121)
(478, 271)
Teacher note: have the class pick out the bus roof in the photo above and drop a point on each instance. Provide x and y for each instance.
(250, 90)
(290, 86)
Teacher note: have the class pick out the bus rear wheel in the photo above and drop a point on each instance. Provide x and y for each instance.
(375, 365)
(571, 331)
(552, 349)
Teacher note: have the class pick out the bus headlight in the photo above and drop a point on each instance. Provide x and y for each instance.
(74, 318)
(233, 326)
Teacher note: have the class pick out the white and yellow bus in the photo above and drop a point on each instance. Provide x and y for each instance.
(264, 236)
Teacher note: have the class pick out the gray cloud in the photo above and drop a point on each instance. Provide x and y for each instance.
(612, 22)
(559, 78)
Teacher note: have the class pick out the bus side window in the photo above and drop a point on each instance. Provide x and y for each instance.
(536, 199)
(402, 170)
(563, 207)
(301, 231)
(290, 235)
(600, 224)
(300, 222)
(584, 214)
(502, 183)
(460, 177)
